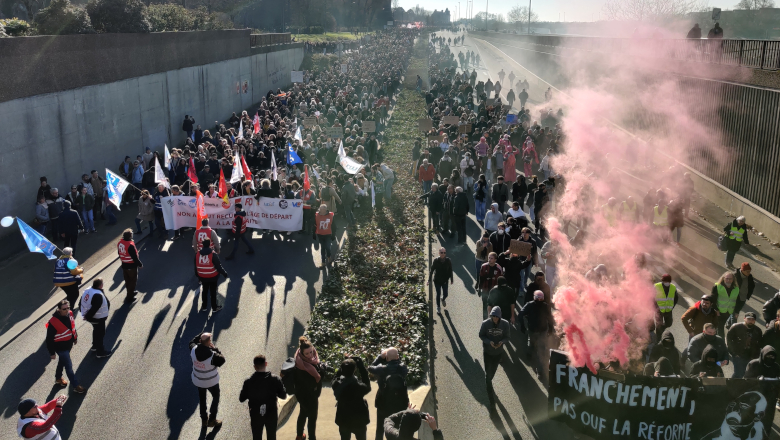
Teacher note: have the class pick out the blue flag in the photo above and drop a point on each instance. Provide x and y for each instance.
(511, 119)
(116, 186)
(292, 156)
(35, 241)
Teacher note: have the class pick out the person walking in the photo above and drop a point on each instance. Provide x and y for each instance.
(392, 395)
(460, 211)
(699, 314)
(66, 278)
(323, 220)
(500, 194)
(128, 255)
(61, 336)
(435, 201)
(494, 333)
(744, 279)
(736, 234)
(239, 229)
(308, 387)
(208, 268)
(726, 291)
(87, 204)
(263, 390)
(743, 342)
(205, 233)
(504, 297)
(352, 416)
(665, 300)
(206, 360)
(34, 421)
(145, 212)
(94, 309)
(661, 220)
(68, 224)
(540, 326)
(441, 272)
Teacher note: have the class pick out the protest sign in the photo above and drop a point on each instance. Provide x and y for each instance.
(334, 132)
(268, 213)
(425, 124)
(520, 248)
(296, 76)
(309, 121)
(369, 126)
(450, 120)
(465, 128)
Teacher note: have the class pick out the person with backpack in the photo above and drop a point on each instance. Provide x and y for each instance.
(263, 389)
(352, 415)
(392, 395)
(308, 387)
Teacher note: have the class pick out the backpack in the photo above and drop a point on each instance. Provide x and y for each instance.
(394, 392)
(288, 375)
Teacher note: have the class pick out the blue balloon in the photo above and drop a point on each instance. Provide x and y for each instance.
(72, 264)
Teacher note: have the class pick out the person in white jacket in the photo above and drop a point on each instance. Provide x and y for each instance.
(544, 165)
(468, 181)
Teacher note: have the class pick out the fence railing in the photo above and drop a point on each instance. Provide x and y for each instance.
(256, 40)
(757, 54)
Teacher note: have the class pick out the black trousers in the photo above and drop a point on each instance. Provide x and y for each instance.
(268, 422)
(308, 412)
(460, 223)
(98, 334)
(70, 241)
(491, 366)
(209, 288)
(381, 415)
(346, 432)
(72, 294)
(214, 402)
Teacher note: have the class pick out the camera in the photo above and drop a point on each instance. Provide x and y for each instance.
(423, 415)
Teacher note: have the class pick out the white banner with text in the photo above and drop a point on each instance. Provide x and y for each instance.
(267, 213)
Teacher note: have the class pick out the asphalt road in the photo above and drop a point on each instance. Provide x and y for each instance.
(144, 390)
(522, 400)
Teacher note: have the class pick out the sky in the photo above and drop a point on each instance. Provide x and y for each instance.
(548, 10)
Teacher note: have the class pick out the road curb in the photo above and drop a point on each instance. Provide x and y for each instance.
(48, 306)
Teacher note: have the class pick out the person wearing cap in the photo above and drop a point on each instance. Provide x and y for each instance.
(541, 326)
(94, 309)
(494, 333)
(68, 279)
(736, 234)
(404, 424)
(61, 336)
(34, 423)
(239, 229)
(145, 212)
(699, 314)
(744, 279)
(208, 268)
(68, 225)
(743, 341)
(665, 299)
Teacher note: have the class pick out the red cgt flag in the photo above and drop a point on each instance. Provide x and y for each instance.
(247, 174)
(200, 209)
(256, 123)
(191, 173)
(223, 194)
(306, 182)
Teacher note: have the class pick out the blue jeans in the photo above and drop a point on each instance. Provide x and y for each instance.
(478, 264)
(468, 181)
(524, 275)
(439, 288)
(42, 228)
(427, 185)
(480, 206)
(389, 188)
(740, 365)
(63, 361)
(236, 243)
(325, 244)
(89, 220)
(151, 225)
(110, 214)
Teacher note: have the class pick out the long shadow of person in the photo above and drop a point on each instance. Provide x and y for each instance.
(471, 373)
(24, 377)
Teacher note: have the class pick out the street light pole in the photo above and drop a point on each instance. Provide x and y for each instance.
(529, 17)
(486, 14)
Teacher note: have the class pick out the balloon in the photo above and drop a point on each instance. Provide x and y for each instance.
(72, 264)
(7, 221)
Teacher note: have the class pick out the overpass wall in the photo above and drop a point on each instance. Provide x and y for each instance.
(746, 117)
(72, 130)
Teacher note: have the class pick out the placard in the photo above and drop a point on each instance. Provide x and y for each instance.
(296, 76)
(465, 128)
(369, 126)
(520, 248)
(425, 124)
(343, 68)
(309, 121)
(450, 120)
(334, 132)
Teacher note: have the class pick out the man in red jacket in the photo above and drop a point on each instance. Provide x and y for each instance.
(60, 338)
(208, 268)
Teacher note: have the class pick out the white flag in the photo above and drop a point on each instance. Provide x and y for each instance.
(373, 196)
(115, 187)
(341, 152)
(298, 135)
(167, 157)
(159, 174)
(273, 164)
(238, 172)
(241, 130)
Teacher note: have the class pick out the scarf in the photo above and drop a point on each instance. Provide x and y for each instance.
(308, 365)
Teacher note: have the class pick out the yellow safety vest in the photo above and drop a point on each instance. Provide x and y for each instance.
(737, 233)
(726, 302)
(662, 218)
(609, 214)
(629, 213)
(665, 304)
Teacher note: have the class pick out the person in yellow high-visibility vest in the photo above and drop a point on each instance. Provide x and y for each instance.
(629, 210)
(665, 300)
(726, 292)
(610, 211)
(661, 220)
(735, 235)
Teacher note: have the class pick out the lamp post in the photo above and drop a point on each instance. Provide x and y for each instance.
(529, 17)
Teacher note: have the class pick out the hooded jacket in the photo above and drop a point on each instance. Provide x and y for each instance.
(493, 217)
(771, 336)
(666, 350)
(500, 242)
(404, 424)
(763, 366)
(352, 409)
(750, 283)
(490, 332)
(743, 341)
(663, 366)
(699, 342)
(694, 318)
(709, 368)
(770, 309)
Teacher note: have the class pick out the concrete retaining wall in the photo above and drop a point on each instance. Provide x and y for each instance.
(66, 134)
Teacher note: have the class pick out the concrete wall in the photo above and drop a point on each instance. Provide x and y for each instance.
(66, 134)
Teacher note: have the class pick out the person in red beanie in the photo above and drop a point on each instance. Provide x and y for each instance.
(744, 279)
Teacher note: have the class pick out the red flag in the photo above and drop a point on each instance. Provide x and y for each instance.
(306, 183)
(191, 173)
(200, 209)
(257, 123)
(247, 174)
(223, 194)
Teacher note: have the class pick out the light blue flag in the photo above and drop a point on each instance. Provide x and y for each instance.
(35, 241)
(116, 186)
(292, 156)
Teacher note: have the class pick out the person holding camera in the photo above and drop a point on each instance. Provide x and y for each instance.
(392, 396)
(206, 360)
(352, 410)
(34, 421)
(263, 389)
(404, 424)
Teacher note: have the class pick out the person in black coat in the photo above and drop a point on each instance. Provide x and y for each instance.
(389, 399)
(770, 309)
(765, 366)
(519, 190)
(500, 239)
(435, 202)
(460, 211)
(666, 349)
(263, 389)
(352, 415)
(68, 226)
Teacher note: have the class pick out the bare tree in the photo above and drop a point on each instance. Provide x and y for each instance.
(755, 4)
(396, 4)
(519, 15)
(651, 10)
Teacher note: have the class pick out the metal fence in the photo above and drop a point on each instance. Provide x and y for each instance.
(256, 40)
(757, 54)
